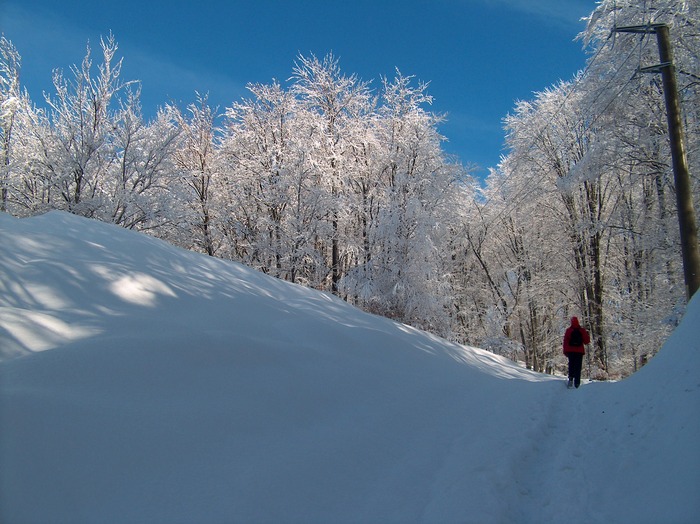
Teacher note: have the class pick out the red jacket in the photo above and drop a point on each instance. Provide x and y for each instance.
(584, 335)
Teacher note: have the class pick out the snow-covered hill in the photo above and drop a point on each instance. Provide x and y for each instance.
(143, 383)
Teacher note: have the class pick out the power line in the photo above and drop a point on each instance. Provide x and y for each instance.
(531, 188)
(571, 90)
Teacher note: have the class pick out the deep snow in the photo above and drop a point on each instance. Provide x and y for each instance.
(144, 383)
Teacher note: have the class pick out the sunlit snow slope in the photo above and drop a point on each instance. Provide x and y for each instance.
(144, 383)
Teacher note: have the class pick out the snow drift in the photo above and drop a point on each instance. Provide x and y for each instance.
(144, 383)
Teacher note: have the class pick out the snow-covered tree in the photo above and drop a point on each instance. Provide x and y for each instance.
(136, 190)
(334, 103)
(196, 162)
(274, 205)
(80, 152)
(10, 102)
(407, 207)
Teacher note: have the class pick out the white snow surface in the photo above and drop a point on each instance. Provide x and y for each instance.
(141, 383)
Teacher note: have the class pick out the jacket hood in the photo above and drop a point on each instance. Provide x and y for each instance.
(574, 322)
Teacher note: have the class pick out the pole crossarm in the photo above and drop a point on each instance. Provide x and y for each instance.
(655, 68)
(643, 29)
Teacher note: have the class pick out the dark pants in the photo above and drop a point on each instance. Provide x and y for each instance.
(575, 363)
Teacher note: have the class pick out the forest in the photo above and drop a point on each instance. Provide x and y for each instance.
(329, 183)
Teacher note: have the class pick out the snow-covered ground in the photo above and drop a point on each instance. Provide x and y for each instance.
(143, 383)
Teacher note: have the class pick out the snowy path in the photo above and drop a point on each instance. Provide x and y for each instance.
(550, 474)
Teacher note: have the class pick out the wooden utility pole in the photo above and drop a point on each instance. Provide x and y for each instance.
(681, 175)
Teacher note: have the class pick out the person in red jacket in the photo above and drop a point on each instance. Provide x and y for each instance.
(574, 340)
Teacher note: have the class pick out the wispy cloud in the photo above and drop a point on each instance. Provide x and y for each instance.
(44, 41)
(563, 13)
(166, 81)
(47, 42)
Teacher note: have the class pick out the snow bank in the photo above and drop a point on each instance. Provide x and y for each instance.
(143, 383)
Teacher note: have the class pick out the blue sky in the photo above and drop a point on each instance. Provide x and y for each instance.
(479, 56)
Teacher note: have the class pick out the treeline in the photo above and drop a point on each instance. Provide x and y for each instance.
(330, 184)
